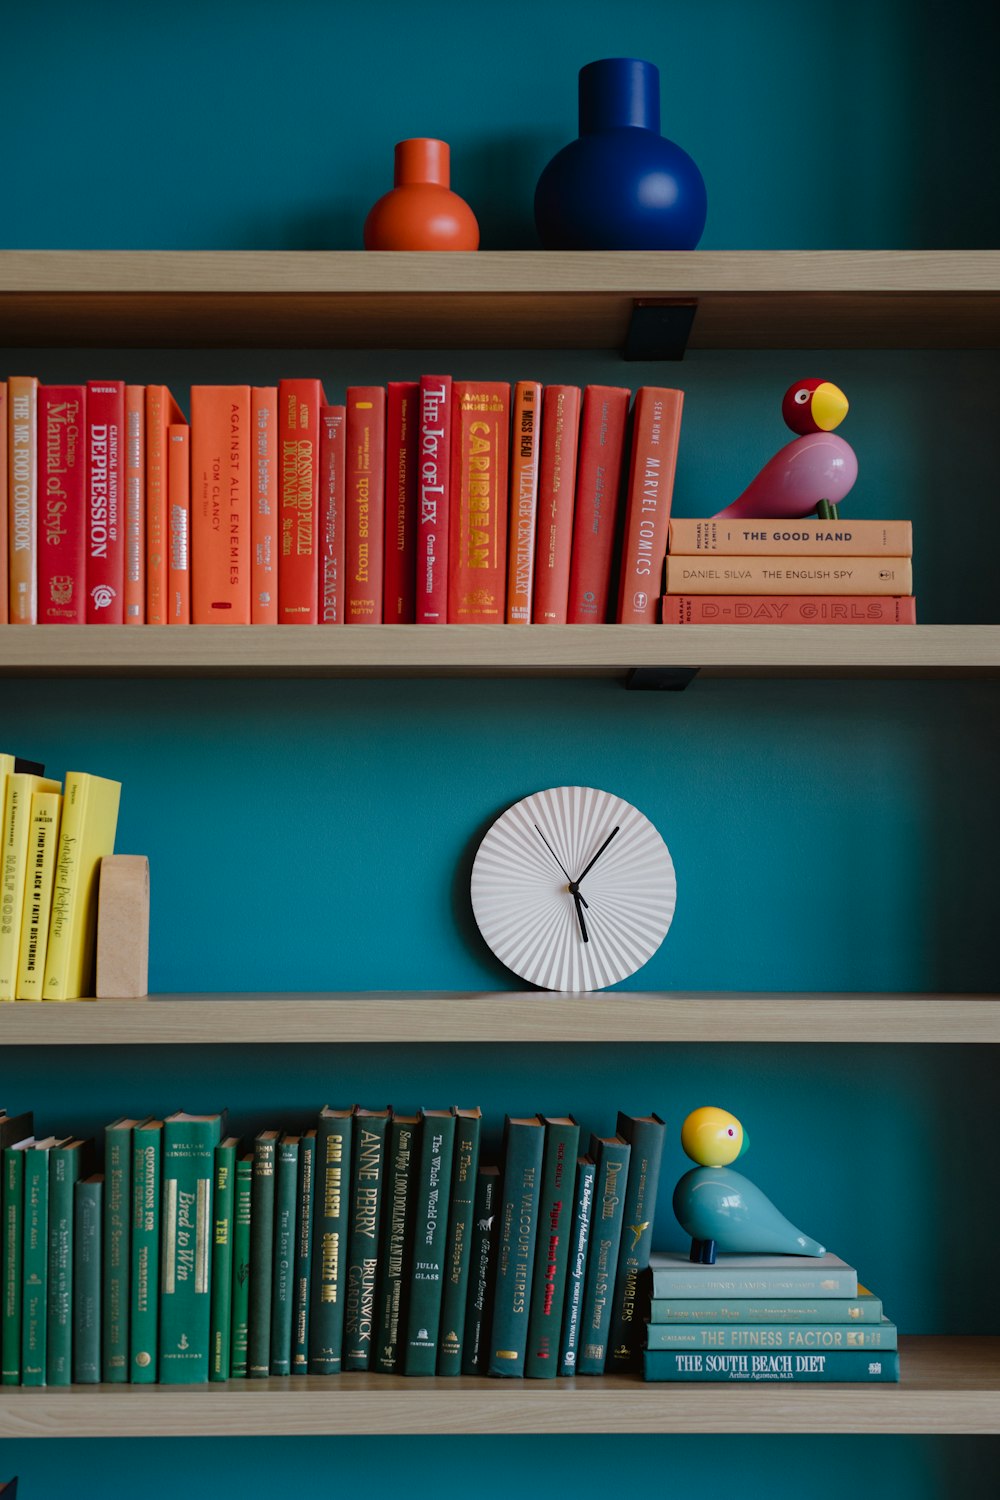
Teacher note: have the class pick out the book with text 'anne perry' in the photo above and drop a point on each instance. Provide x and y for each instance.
(371, 1127)
(673, 1275)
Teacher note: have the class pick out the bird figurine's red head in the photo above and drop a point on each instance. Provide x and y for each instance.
(814, 406)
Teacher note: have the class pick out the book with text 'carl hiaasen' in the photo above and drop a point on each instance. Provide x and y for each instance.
(332, 503)
(68, 1163)
(458, 1246)
(116, 1290)
(21, 512)
(62, 504)
(598, 493)
(482, 1262)
(265, 1154)
(656, 431)
(644, 1134)
(792, 1276)
(477, 540)
(15, 1139)
(430, 1227)
(524, 1143)
(299, 403)
(15, 840)
(402, 424)
(331, 1214)
(397, 1224)
(220, 504)
(522, 508)
(43, 845)
(135, 505)
(769, 538)
(35, 1260)
(305, 1194)
(105, 536)
(611, 1155)
(178, 524)
(144, 1313)
(189, 1143)
(367, 1171)
(856, 1365)
(364, 519)
(781, 609)
(286, 1182)
(264, 505)
(88, 1210)
(864, 1308)
(555, 1215)
(86, 835)
(556, 494)
(161, 412)
(240, 1305)
(576, 1270)
(784, 1336)
(433, 500)
(784, 575)
(224, 1196)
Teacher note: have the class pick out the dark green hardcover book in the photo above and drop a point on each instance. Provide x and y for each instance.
(611, 1155)
(630, 1305)
(189, 1143)
(465, 1170)
(330, 1219)
(397, 1225)
(67, 1164)
(303, 1252)
(265, 1148)
(220, 1323)
(144, 1320)
(524, 1143)
(15, 1137)
(484, 1240)
(576, 1270)
(34, 1307)
(858, 1366)
(555, 1216)
(240, 1312)
(430, 1229)
(88, 1213)
(117, 1249)
(286, 1186)
(367, 1170)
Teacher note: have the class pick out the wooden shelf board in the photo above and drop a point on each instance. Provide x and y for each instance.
(947, 1386)
(498, 650)
(498, 299)
(505, 1016)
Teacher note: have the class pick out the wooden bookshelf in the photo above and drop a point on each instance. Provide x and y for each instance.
(497, 299)
(948, 1385)
(505, 1016)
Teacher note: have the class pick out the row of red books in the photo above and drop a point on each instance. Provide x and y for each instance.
(428, 502)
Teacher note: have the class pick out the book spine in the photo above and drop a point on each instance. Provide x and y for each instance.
(64, 1169)
(332, 482)
(437, 1147)
(630, 1306)
(367, 1169)
(464, 1175)
(105, 510)
(555, 1213)
(523, 504)
(220, 504)
(850, 1310)
(576, 1270)
(595, 514)
(12, 1204)
(261, 1257)
(15, 842)
(856, 1365)
(731, 1282)
(299, 402)
(40, 869)
(135, 505)
(62, 505)
(612, 1159)
(4, 508)
(178, 524)
(186, 1210)
(556, 494)
(652, 465)
(781, 1336)
(240, 1309)
(397, 1216)
(878, 576)
(22, 499)
(481, 1270)
(264, 505)
(86, 834)
(477, 542)
(401, 440)
(808, 609)
(220, 1325)
(161, 410)
(364, 535)
(117, 1252)
(516, 1247)
(433, 494)
(690, 537)
(330, 1224)
(147, 1169)
(35, 1267)
(286, 1181)
(87, 1239)
(303, 1253)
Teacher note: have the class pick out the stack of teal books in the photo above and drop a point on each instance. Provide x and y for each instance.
(765, 1318)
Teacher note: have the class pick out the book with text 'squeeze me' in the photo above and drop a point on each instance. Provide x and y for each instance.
(673, 1275)
(858, 1365)
(330, 1228)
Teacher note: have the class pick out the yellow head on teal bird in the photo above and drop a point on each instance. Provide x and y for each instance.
(713, 1137)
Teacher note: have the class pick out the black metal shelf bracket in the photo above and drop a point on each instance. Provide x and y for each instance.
(660, 679)
(659, 328)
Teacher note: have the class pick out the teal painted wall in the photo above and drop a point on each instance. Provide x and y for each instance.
(319, 835)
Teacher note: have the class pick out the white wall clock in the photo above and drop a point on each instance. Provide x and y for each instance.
(573, 888)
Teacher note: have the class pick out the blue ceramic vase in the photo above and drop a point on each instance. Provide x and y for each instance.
(620, 186)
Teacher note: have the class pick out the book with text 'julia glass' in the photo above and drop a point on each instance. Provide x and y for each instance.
(778, 609)
(299, 403)
(858, 1365)
(526, 433)
(62, 512)
(674, 1275)
(264, 505)
(15, 839)
(464, 1172)
(22, 499)
(598, 489)
(144, 1313)
(305, 1194)
(88, 1210)
(332, 502)
(86, 835)
(645, 1135)
(364, 517)
(189, 1143)
(334, 1134)
(135, 505)
(286, 1182)
(265, 1151)
(477, 542)
(116, 1292)
(68, 1163)
(433, 500)
(770, 538)
(783, 1336)
(224, 1197)
(397, 1224)
(402, 423)
(240, 1307)
(161, 412)
(178, 524)
(878, 576)
(864, 1308)
(430, 1227)
(15, 1139)
(555, 1214)
(220, 504)
(105, 536)
(611, 1155)
(656, 434)
(43, 846)
(371, 1127)
(524, 1145)
(481, 1269)
(576, 1269)
(556, 493)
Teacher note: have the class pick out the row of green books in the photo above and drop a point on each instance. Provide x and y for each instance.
(373, 1241)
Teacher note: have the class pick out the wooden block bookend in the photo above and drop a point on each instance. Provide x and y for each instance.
(123, 927)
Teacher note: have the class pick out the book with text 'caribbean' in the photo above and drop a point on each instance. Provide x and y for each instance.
(477, 542)
(674, 1275)
(860, 1365)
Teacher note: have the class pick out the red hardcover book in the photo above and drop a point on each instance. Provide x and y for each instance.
(4, 598)
(161, 411)
(105, 502)
(264, 505)
(220, 504)
(179, 524)
(656, 434)
(523, 506)
(556, 489)
(788, 609)
(365, 516)
(332, 482)
(433, 498)
(62, 504)
(402, 421)
(477, 540)
(135, 505)
(299, 402)
(595, 515)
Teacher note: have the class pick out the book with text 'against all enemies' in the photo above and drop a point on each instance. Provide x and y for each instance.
(220, 504)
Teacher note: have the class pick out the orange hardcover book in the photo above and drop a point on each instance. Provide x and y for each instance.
(693, 536)
(364, 520)
(135, 505)
(4, 610)
(655, 437)
(525, 442)
(785, 609)
(299, 402)
(220, 505)
(332, 485)
(161, 411)
(22, 499)
(264, 505)
(556, 491)
(595, 513)
(402, 436)
(789, 575)
(179, 524)
(477, 541)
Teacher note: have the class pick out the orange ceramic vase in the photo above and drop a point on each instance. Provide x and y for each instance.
(421, 212)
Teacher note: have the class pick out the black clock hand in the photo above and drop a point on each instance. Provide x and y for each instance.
(580, 904)
(597, 856)
(554, 854)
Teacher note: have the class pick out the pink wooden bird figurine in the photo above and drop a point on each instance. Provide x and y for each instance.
(816, 467)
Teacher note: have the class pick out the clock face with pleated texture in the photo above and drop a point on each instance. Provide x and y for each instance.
(573, 888)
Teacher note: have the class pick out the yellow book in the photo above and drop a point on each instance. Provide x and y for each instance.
(46, 811)
(13, 863)
(87, 834)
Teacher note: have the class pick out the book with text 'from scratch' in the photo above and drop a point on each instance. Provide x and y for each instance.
(781, 609)
(364, 519)
(786, 575)
(477, 543)
(220, 504)
(673, 1275)
(87, 834)
(691, 536)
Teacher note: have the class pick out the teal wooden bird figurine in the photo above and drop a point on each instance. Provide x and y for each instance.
(719, 1208)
